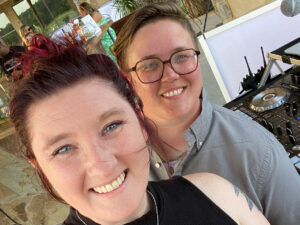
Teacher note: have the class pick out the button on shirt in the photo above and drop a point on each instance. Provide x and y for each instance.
(222, 142)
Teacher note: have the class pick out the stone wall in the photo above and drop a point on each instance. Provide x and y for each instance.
(23, 198)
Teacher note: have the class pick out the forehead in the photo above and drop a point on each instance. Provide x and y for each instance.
(159, 38)
(83, 101)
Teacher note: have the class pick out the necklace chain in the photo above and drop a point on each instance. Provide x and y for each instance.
(80, 218)
(156, 210)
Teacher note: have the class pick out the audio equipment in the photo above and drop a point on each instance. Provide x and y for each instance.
(276, 106)
(251, 81)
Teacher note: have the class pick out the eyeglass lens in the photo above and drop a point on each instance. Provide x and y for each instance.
(182, 62)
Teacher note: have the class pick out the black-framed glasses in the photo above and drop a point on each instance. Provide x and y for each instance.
(151, 70)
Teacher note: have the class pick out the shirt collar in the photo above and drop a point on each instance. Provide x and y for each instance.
(200, 127)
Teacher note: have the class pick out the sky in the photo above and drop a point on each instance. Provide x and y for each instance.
(19, 8)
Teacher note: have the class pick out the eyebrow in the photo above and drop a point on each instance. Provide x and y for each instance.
(111, 112)
(155, 56)
(103, 117)
(56, 139)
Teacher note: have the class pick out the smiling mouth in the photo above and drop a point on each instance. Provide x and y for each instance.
(173, 92)
(112, 186)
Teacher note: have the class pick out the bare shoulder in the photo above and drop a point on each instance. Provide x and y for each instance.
(97, 17)
(213, 186)
(202, 177)
(228, 197)
(207, 182)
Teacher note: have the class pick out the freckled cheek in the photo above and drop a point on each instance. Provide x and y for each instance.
(145, 90)
(149, 92)
(127, 148)
(128, 142)
(195, 78)
(63, 175)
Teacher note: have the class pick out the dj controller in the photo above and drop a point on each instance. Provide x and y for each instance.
(276, 106)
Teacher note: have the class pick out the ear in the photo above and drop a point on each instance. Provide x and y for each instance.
(32, 162)
(128, 77)
(139, 111)
(145, 134)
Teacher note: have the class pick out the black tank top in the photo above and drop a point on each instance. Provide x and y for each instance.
(179, 203)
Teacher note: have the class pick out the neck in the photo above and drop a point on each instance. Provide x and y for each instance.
(171, 132)
(142, 209)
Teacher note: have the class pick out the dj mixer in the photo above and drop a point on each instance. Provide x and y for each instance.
(276, 106)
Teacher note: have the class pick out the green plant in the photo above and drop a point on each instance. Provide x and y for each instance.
(183, 7)
(38, 29)
(125, 7)
(60, 20)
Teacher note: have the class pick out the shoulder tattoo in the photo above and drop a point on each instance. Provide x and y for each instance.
(249, 201)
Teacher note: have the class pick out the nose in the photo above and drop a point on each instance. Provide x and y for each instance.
(99, 160)
(169, 74)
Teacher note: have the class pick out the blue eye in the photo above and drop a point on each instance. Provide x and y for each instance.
(148, 65)
(181, 58)
(111, 127)
(63, 150)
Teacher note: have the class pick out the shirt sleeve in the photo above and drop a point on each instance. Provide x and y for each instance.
(279, 183)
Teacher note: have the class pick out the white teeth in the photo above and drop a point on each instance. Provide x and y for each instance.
(98, 189)
(110, 187)
(103, 189)
(119, 180)
(115, 184)
(173, 93)
(122, 176)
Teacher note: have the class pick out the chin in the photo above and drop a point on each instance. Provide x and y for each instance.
(180, 110)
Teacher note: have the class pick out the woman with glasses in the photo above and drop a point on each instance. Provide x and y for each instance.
(26, 33)
(82, 127)
(158, 51)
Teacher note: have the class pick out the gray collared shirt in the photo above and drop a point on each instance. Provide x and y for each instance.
(245, 153)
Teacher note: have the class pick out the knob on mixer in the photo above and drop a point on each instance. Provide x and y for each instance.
(288, 124)
(295, 111)
(296, 78)
(279, 130)
(292, 139)
(295, 106)
(288, 108)
(270, 127)
(289, 131)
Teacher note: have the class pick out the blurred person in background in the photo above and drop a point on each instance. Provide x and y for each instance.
(107, 42)
(9, 57)
(26, 33)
